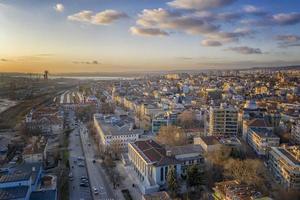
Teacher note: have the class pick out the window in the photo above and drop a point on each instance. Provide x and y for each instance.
(161, 174)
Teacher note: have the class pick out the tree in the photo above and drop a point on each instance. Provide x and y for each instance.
(85, 113)
(249, 171)
(107, 108)
(172, 181)
(194, 176)
(115, 148)
(171, 136)
(218, 157)
(187, 119)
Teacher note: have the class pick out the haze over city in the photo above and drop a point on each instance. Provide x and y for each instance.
(147, 35)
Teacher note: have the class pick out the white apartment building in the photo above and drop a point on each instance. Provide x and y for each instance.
(284, 162)
(223, 120)
(261, 140)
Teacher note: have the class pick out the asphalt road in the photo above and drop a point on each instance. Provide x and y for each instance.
(75, 191)
(96, 173)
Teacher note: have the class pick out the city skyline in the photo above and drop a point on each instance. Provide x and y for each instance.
(118, 36)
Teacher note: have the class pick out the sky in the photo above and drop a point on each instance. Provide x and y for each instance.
(147, 35)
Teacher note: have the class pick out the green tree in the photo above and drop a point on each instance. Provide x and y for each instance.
(172, 181)
(194, 176)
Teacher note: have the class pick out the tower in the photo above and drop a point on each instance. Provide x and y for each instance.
(46, 75)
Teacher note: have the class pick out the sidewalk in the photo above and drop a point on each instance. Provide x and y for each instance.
(128, 180)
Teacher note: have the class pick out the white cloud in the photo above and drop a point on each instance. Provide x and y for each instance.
(59, 7)
(163, 19)
(101, 18)
(211, 43)
(147, 31)
(199, 4)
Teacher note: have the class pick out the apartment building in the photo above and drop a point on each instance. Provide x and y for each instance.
(284, 162)
(223, 120)
(261, 140)
(295, 133)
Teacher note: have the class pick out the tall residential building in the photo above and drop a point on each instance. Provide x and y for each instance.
(284, 162)
(295, 133)
(223, 120)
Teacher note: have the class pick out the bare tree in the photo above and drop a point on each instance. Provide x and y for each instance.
(249, 171)
(115, 148)
(187, 119)
(220, 156)
(171, 136)
(107, 108)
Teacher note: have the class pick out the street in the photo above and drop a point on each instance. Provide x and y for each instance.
(97, 175)
(77, 192)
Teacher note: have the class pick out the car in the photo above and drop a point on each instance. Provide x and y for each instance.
(81, 164)
(84, 184)
(70, 176)
(83, 178)
(80, 158)
(95, 190)
(94, 161)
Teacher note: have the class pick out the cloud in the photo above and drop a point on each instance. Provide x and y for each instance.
(108, 16)
(224, 17)
(82, 16)
(250, 9)
(286, 18)
(280, 19)
(94, 62)
(211, 43)
(228, 16)
(59, 7)
(286, 41)
(219, 38)
(147, 31)
(101, 18)
(245, 50)
(288, 38)
(199, 4)
(163, 19)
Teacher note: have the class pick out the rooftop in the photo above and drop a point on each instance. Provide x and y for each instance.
(157, 196)
(113, 125)
(152, 152)
(43, 195)
(187, 149)
(210, 140)
(13, 193)
(291, 153)
(235, 190)
(15, 177)
(264, 132)
(258, 122)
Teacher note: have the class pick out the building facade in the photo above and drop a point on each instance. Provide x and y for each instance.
(284, 163)
(261, 140)
(223, 120)
(114, 131)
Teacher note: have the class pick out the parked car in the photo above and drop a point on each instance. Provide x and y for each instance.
(95, 190)
(84, 184)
